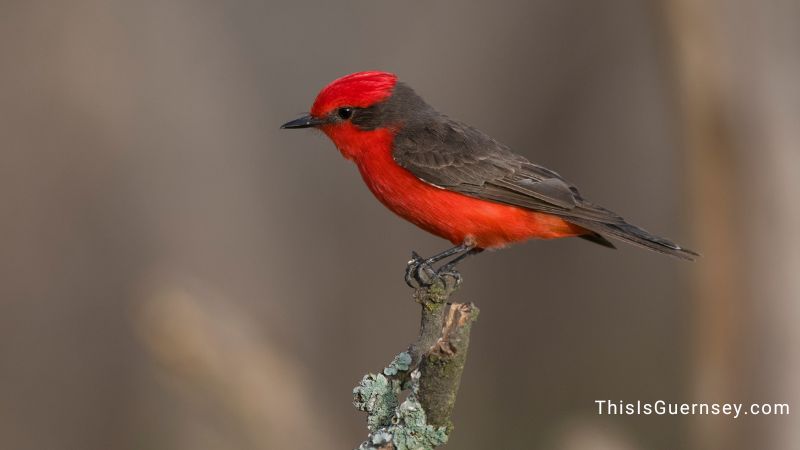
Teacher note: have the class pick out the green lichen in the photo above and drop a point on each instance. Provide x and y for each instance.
(377, 396)
(438, 292)
(435, 296)
(407, 427)
(400, 363)
(412, 431)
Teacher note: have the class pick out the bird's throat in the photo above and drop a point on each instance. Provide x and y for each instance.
(359, 145)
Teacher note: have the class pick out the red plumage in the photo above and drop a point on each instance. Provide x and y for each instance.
(357, 90)
(450, 215)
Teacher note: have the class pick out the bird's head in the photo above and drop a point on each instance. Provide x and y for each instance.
(358, 108)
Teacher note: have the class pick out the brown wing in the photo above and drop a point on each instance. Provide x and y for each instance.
(455, 156)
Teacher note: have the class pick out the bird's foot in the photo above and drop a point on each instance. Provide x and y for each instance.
(420, 273)
(450, 276)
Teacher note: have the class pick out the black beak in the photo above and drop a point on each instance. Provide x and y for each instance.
(303, 122)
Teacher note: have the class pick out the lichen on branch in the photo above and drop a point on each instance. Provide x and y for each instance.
(402, 426)
(430, 370)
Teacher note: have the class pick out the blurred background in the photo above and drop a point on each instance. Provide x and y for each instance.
(178, 273)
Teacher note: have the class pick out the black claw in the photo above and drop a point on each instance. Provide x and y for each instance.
(419, 272)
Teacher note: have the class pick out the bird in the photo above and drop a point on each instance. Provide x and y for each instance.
(453, 180)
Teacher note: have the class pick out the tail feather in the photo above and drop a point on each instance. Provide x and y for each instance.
(637, 236)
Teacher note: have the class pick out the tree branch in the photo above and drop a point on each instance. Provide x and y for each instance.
(442, 366)
(430, 369)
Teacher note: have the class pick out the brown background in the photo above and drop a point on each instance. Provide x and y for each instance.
(178, 273)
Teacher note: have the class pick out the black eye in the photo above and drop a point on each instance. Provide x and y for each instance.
(344, 113)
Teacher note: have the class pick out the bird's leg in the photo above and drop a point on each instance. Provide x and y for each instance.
(448, 271)
(419, 271)
(450, 268)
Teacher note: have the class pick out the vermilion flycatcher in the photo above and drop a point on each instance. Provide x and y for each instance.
(453, 180)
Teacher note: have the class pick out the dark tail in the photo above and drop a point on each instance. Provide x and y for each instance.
(636, 236)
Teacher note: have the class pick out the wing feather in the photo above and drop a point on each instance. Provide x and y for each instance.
(455, 156)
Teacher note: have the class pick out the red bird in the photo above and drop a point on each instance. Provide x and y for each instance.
(453, 180)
